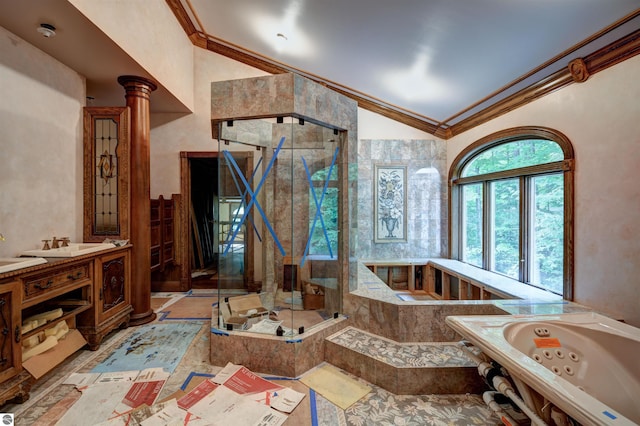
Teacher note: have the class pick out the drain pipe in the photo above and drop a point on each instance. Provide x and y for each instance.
(501, 384)
(489, 399)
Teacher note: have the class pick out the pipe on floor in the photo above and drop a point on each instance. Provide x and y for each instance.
(489, 399)
(501, 384)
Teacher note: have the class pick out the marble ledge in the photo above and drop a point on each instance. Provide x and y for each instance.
(371, 287)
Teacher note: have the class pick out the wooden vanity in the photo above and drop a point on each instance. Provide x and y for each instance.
(94, 293)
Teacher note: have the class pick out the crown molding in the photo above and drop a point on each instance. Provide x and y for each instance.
(577, 70)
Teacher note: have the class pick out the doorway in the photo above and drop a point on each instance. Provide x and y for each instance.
(207, 216)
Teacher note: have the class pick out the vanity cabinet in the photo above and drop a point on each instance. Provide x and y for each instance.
(112, 298)
(14, 382)
(91, 293)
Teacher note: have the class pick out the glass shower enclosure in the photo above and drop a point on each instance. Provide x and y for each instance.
(278, 215)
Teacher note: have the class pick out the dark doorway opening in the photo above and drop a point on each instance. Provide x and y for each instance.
(203, 228)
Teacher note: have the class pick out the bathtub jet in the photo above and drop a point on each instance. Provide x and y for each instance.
(584, 364)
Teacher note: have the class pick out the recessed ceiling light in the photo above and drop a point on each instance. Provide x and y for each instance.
(47, 30)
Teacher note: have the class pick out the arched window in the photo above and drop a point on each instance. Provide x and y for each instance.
(512, 207)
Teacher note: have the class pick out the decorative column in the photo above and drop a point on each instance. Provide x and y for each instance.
(138, 91)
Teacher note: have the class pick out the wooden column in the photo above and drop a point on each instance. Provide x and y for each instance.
(138, 91)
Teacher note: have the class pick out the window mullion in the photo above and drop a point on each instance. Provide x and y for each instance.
(525, 227)
(487, 211)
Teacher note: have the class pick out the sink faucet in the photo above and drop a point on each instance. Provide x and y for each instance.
(55, 243)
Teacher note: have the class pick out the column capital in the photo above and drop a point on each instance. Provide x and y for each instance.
(137, 84)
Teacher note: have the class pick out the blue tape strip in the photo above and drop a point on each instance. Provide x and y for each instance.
(191, 376)
(253, 201)
(314, 409)
(318, 212)
(242, 200)
(318, 207)
(219, 332)
(253, 195)
(610, 415)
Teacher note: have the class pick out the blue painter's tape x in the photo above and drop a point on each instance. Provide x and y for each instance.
(253, 196)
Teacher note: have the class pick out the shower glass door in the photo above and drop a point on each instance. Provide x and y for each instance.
(286, 201)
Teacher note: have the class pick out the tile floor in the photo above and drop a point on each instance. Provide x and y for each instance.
(379, 407)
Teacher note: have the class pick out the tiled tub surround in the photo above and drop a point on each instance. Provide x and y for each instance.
(274, 355)
(411, 333)
(404, 368)
(374, 307)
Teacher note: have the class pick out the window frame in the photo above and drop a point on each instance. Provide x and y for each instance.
(565, 166)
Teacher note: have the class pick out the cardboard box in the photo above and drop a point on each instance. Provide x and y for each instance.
(312, 302)
(242, 311)
(237, 323)
(41, 364)
(249, 306)
(313, 297)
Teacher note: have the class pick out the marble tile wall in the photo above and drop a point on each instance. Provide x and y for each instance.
(292, 95)
(287, 357)
(427, 204)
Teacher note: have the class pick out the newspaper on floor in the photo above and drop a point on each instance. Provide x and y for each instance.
(102, 401)
(83, 379)
(267, 326)
(241, 398)
(245, 385)
(225, 407)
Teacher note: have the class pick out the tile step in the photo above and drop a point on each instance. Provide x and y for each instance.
(404, 368)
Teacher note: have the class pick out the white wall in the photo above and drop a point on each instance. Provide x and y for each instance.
(149, 32)
(41, 142)
(375, 126)
(601, 117)
(172, 133)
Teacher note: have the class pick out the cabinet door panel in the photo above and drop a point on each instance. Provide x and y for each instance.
(113, 283)
(112, 286)
(10, 330)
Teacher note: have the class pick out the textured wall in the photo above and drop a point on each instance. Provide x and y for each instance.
(41, 139)
(600, 118)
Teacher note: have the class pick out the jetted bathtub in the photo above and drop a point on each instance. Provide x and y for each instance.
(584, 363)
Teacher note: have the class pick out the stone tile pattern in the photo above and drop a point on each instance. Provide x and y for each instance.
(426, 197)
(375, 308)
(280, 356)
(404, 368)
(293, 95)
(382, 408)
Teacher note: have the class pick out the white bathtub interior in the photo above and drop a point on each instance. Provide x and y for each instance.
(584, 363)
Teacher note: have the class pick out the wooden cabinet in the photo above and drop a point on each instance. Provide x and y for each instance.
(112, 298)
(162, 232)
(14, 383)
(91, 293)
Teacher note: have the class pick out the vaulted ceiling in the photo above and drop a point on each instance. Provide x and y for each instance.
(442, 66)
(438, 65)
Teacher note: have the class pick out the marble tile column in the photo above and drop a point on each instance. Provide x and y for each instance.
(137, 95)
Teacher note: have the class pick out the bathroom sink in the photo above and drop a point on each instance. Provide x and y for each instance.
(8, 264)
(72, 250)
